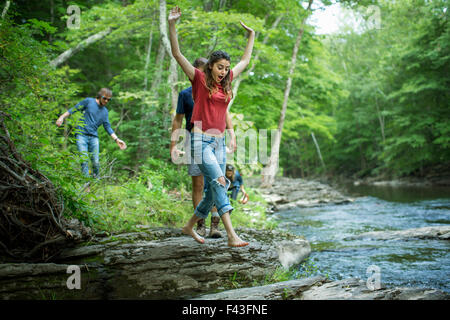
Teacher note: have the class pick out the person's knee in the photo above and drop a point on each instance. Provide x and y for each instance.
(222, 180)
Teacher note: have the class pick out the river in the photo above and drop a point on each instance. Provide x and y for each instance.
(413, 262)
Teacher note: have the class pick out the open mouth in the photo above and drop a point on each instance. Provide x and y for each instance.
(219, 78)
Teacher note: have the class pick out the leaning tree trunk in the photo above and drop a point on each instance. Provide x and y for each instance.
(5, 9)
(316, 144)
(270, 170)
(63, 57)
(318, 149)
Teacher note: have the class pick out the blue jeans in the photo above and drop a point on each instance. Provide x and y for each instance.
(234, 191)
(210, 154)
(89, 145)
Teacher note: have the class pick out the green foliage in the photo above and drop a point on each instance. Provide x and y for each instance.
(280, 274)
(124, 204)
(394, 117)
(31, 95)
(308, 269)
(376, 101)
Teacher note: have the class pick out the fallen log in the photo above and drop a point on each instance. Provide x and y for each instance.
(158, 263)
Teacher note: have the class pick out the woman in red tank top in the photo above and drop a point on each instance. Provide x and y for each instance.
(212, 94)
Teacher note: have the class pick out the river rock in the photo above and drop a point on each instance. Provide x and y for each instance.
(293, 252)
(289, 193)
(357, 289)
(157, 263)
(276, 291)
(433, 232)
(320, 288)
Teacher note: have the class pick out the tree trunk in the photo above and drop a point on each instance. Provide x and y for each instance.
(173, 79)
(147, 57)
(154, 264)
(316, 144)
(269, 171)
(5, 9)
(207, 5)
(380, 118)
(318, 149)
(173, 75)
(52, 19)
(66, 55)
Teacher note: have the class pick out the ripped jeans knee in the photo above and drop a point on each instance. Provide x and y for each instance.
(215, 195)
(227, 182)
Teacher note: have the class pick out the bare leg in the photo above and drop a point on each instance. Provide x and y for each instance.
(188, 229)
(197, 190)
(197, 195)
(233, 238)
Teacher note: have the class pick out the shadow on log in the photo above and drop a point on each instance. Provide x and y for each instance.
(32, 227)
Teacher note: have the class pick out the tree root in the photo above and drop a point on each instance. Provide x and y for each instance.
(32, 227)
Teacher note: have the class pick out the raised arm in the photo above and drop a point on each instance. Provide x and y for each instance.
(245, 60)
(185, 65)
(229, 127)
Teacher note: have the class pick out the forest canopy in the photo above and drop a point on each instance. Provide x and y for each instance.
(366, 102)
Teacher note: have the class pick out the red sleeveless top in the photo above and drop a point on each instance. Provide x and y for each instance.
(209, 113)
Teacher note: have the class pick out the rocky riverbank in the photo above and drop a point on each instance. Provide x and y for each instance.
(157, 263)
(436, 232)
(288, 193)
(161, 263)
(320, 288)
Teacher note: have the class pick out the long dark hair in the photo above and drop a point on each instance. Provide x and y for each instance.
(226, 81)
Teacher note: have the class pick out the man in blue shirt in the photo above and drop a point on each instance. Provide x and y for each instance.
(184, 110)
(95, 114)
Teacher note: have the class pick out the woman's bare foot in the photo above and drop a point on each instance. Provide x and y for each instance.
(191, 232)
(237, 242)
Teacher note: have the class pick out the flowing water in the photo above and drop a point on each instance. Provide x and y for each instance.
(413, 262)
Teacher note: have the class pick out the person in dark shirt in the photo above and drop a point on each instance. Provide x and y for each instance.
(237, 183)
(95, 114)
